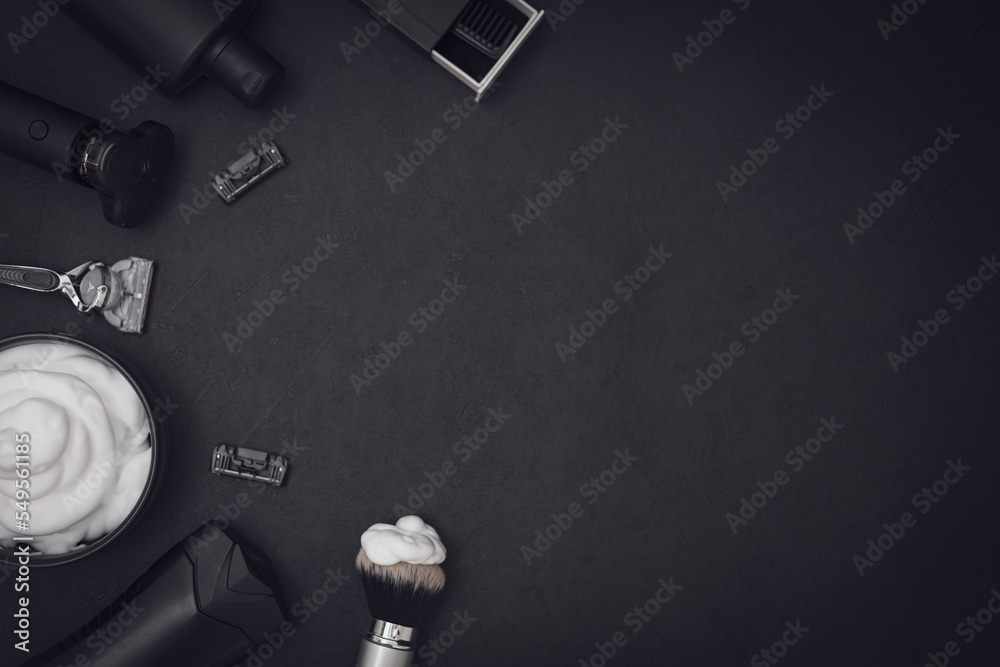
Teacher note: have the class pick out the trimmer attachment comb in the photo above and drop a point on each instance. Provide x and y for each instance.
(486, 28)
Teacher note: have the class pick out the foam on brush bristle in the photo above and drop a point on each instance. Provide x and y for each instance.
(403, 593)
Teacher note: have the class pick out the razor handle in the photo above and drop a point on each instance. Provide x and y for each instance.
(203, 604)
(122, 167)
(39, 280)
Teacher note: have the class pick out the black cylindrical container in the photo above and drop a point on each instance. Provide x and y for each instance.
(175, 42)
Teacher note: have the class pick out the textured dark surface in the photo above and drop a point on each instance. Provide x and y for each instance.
(495, 346)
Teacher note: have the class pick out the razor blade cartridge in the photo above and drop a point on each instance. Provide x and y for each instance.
(249, 464)
(246, 171)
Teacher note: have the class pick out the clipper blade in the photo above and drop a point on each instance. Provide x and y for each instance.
(128, 314)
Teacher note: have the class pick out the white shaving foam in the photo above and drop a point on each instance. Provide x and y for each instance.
(90, 444)
(410, 541)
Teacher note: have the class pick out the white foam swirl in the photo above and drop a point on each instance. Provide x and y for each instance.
(90, 444)
(410, 540)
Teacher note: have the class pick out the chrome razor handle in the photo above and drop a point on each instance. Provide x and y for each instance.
(100, 283)
(387, 645)
(39, 280)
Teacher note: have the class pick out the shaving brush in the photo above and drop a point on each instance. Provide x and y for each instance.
(400, 595)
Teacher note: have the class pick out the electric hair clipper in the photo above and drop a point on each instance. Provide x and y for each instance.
(123, 167)
(203, 604)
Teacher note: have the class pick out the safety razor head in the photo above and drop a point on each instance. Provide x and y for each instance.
(133, 277)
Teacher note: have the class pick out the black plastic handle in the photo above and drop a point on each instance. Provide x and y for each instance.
(40, 280)
(203, 604)
(40, 132)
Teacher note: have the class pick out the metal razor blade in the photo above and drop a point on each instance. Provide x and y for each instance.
(120, 292)
(249, 464)
(248, 170)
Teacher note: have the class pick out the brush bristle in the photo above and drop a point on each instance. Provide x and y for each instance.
(403, 593)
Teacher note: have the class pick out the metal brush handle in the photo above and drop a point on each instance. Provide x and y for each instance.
(39, 280)
(380, 655)
(387, 645)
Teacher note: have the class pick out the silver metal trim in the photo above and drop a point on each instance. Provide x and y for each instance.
(392, 635)
(534, 16)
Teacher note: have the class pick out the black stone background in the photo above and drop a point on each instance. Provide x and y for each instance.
(495, 346)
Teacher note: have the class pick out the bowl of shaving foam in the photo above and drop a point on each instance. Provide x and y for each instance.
(80, 449)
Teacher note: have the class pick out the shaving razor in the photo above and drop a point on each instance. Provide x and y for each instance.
(120, 292)
(124, 167)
